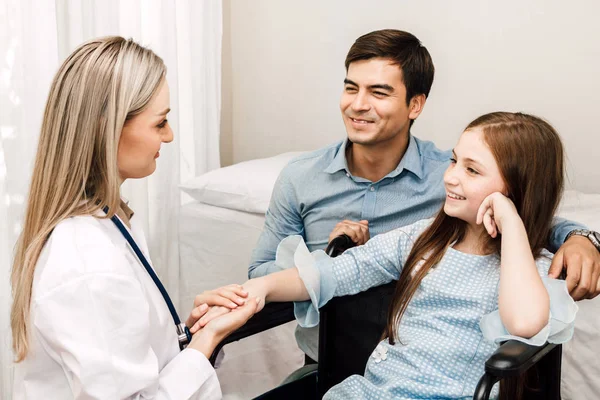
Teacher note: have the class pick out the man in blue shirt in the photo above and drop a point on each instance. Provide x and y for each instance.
(381, 177)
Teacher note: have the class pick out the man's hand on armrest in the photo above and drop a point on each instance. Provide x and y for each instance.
(581, 260)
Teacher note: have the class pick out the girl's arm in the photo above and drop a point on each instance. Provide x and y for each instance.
(279, 286)
(377, 262)
(523, 303)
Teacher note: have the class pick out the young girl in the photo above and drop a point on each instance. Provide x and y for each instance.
(473, 276)
(87, 319)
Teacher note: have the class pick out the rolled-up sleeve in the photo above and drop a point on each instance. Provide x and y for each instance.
(377, 262)
(561, 318)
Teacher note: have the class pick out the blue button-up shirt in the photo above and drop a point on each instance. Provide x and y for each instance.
(316, 190)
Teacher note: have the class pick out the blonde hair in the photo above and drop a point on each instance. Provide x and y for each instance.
(101, 85)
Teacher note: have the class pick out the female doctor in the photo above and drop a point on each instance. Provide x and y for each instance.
(89, 318)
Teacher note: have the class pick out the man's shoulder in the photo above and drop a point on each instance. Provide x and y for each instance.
(429, 151)
(312, 161)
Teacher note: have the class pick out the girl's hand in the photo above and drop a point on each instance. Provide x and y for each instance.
(212, 313)
(494, 211)
(257, 288)
(254, 288)
(195, 315)
(230, 297)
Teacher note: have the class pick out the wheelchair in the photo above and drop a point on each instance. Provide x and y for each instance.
(350, 328)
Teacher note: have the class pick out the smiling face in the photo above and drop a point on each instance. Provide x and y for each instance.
(143, 135)
(472, 175)
(373, 102)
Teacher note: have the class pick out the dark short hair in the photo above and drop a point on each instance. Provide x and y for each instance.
(403, 49)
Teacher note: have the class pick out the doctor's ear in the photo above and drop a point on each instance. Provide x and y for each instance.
(415, 106)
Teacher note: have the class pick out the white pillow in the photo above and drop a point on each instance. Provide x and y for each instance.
(246, 186)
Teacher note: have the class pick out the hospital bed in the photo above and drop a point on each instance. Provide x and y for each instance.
(228, 213)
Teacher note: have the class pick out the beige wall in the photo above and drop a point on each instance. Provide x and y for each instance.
(283, 70)
(226, 141)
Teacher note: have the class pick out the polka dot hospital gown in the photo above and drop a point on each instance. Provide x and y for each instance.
(450, 327)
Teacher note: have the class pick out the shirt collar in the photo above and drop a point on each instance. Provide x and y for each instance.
(339, 161)
(411, 160)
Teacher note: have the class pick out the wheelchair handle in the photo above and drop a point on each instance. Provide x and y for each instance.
(338, 245)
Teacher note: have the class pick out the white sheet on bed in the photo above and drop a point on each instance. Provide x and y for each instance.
(215, 248)
(580, 372)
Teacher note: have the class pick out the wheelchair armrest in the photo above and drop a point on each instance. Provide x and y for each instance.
(511, 359)
(271, 316)
(514, 357)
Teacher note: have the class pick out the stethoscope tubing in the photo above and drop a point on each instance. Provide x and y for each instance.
(183, 332)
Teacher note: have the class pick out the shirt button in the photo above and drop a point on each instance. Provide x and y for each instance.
(372, 189)
(348, 175)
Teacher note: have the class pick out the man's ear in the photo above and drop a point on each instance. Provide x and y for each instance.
(416, 106)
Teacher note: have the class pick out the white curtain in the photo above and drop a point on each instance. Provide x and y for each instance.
(35, 37)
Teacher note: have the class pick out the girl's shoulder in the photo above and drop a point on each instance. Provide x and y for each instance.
(414, 230)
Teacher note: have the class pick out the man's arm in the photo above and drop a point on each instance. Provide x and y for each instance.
(560, 229)
(282, 219)
(578, 256)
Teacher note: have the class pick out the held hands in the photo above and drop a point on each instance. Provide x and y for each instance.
(230, 296)
(206, 339)
(357, 231)
(495, 211)
(254, 289)
(227, 307)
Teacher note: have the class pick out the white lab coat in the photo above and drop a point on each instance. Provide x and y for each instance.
(100, 328)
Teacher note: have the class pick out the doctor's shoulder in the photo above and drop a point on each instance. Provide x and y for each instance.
(78, 248)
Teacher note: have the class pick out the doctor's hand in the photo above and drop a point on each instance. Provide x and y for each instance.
(206, 339)
(229, 296)
(357, 231)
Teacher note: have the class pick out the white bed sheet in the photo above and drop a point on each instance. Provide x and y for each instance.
(215, 248)
(580, 371)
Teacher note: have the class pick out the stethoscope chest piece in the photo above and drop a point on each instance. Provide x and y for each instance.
(183, 335)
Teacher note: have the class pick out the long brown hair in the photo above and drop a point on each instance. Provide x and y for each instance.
(103, 83)
(529, 154)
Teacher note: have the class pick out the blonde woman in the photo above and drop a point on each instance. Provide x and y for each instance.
(88, 321)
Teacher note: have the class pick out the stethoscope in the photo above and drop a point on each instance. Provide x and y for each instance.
(183, 333)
